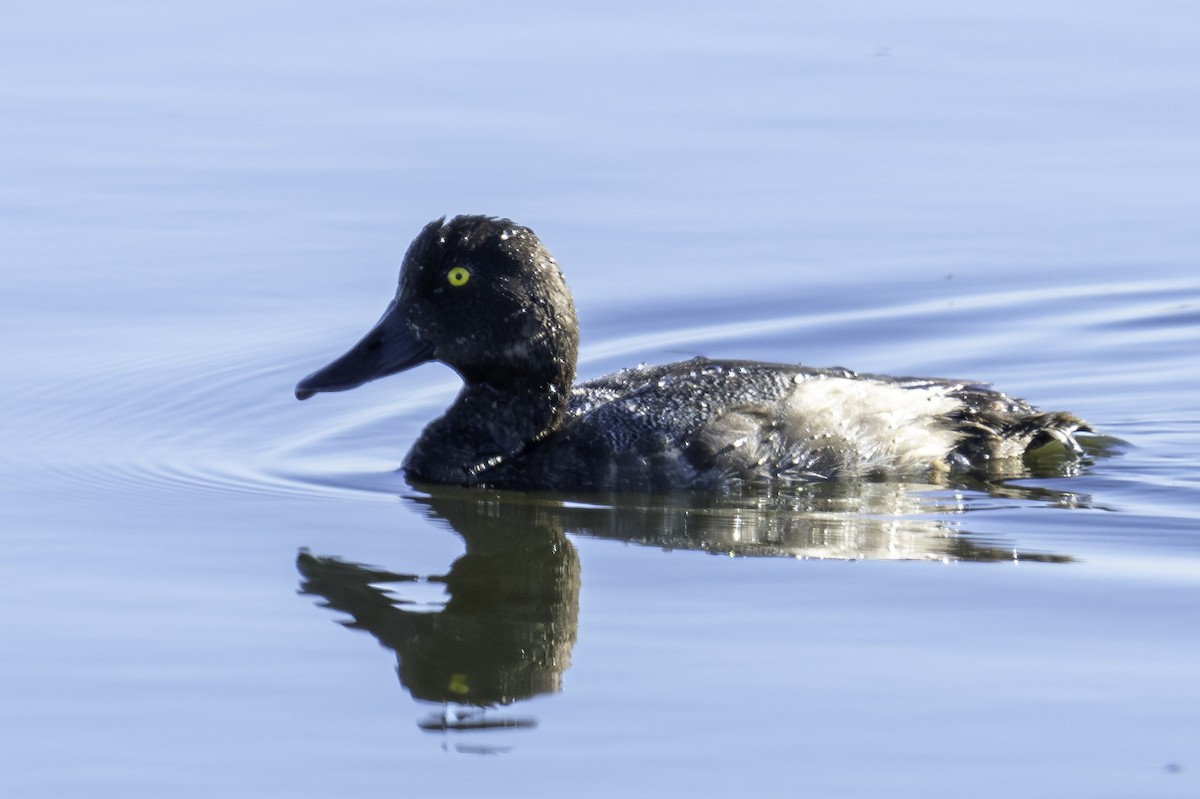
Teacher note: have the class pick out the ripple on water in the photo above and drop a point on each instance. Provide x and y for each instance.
(188, 416)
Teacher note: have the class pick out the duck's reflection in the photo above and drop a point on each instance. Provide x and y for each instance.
(506, 631)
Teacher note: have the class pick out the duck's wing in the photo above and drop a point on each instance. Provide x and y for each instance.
(713, 424)
(656, 428)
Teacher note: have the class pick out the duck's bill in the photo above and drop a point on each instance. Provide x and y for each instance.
(388, 348)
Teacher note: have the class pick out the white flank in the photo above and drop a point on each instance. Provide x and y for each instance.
(873, 426)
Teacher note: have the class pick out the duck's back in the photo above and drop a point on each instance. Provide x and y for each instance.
(720, 425)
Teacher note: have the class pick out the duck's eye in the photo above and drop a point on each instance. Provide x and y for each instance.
(458, 276)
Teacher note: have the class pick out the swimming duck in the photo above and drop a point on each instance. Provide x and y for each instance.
(485, 297)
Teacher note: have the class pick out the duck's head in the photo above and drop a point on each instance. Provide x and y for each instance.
(481, 295)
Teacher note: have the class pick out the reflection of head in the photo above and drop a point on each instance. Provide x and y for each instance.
(509, 624)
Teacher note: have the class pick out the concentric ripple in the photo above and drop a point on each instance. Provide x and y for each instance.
(186, 417)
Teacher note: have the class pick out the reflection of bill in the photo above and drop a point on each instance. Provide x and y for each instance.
(507, 628)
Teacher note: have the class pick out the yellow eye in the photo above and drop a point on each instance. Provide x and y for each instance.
(458, 276)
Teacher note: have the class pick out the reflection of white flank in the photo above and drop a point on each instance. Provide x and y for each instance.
(845, 520)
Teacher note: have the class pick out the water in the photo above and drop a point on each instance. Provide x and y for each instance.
(201, 203)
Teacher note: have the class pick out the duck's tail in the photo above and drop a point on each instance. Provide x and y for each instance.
(994, 427)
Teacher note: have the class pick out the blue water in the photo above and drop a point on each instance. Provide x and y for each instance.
(202, 202)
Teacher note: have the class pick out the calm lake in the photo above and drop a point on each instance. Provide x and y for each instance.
(210, 589)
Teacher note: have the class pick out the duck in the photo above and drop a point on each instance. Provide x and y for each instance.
(484, 296)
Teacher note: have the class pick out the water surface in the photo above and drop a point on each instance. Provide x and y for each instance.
(209, 588)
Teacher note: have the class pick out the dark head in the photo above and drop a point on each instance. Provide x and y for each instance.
(481, 295)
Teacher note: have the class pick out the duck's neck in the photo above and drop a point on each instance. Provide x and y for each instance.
(487, 425)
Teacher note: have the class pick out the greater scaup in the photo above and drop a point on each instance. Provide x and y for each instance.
(484, 296)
